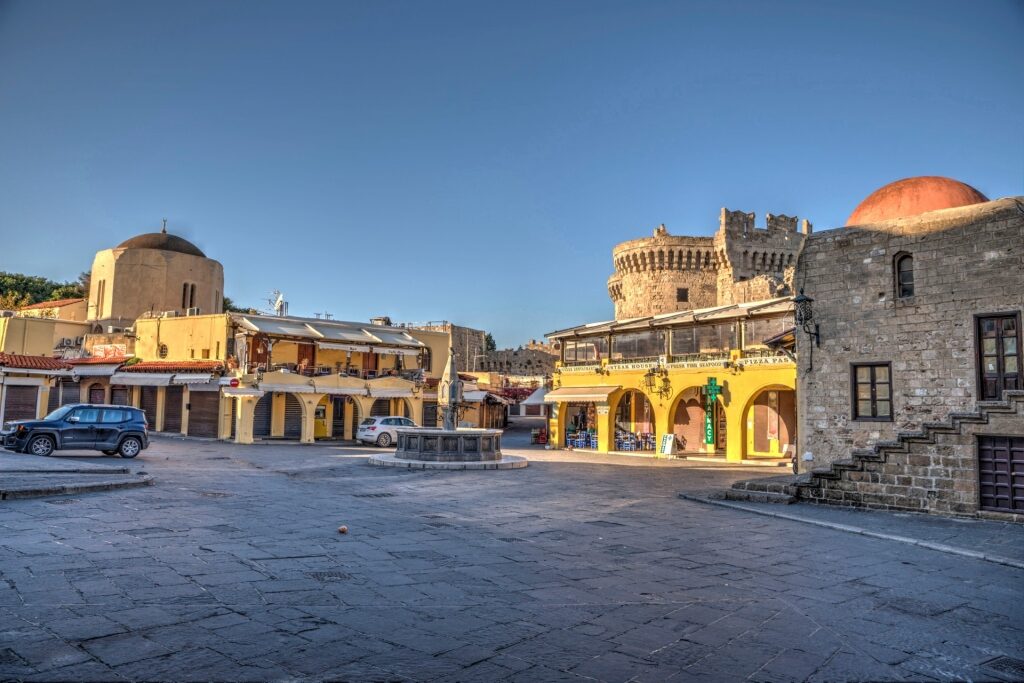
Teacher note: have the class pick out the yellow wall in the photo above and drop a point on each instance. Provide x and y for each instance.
(438, 342)
(142, 280)
(37, 336)
(739, 388)
(185, 337)
(75, 311)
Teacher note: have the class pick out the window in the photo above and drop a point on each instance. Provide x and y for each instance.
(757, 330)
(192, 296)
(904, 276)
(682, 294)
(112, 416)
(205, 353)
(87, 415)
(590, 350)
(184, 295)
(703, 339)
(647, 344)
(872, 391)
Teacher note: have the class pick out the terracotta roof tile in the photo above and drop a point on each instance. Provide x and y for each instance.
(16, 361)
(99, 360)
(56, 303)
(175, 366)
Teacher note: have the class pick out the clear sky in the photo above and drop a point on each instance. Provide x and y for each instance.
(477, 161)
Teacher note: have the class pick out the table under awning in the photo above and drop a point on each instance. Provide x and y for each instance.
(580, 394)
(142, 379)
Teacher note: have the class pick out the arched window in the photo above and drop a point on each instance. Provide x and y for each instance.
(904, 268)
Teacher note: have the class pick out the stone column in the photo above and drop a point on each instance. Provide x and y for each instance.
(245, 411)
(277, 403)
(161, 408)
(309, 403)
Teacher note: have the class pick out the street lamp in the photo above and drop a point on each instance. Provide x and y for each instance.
(804, 311)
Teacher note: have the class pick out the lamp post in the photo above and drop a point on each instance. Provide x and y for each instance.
(804, 311)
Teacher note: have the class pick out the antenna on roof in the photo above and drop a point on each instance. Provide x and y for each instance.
(278, 303)
(164, 231)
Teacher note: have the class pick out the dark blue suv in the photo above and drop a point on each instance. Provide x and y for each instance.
(112, 429)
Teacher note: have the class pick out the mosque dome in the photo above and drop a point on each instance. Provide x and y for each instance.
(911, 196)
(162, 241)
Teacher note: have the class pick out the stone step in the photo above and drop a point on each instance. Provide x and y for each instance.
(916, 437)
(759, 496)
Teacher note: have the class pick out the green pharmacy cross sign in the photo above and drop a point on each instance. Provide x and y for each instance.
(711, 393)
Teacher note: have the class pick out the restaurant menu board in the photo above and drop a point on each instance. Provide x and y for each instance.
(668, 444)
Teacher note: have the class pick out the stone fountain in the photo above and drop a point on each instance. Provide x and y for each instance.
(450, 447)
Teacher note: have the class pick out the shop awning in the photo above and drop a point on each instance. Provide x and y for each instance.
(142, 379)
(279, 327)
(481, 396)
(336, 346)
(396, 338)
(192, 378)
(580, 394)
(390, 392)
(388, 351)
(241, 391)
(333, 389)
(95, 370)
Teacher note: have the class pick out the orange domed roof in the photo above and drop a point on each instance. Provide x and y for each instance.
(911, 196)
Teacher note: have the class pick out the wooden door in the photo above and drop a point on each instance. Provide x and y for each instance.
(203, 413)
(1001, 473)
(307, 353)
(96, 394)
(999, 355)
(20, 403)
(172, 409)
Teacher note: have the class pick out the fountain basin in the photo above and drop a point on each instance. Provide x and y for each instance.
(424, 448)
(441, 445)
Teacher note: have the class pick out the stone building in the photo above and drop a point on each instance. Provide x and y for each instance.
(740, 263)
(535, 359)
(913, 398)
(153, 273)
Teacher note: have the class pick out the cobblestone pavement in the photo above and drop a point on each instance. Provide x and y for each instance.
(576, 568)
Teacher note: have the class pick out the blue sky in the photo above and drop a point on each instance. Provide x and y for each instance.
(477, 161)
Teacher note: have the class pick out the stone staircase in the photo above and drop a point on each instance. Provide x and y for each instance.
(768, 490)
(931, 470)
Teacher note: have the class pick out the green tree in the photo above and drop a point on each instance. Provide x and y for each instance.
(32, 289)
(231, 307)
(489, 343)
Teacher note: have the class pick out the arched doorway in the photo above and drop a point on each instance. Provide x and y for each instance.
(771, 423)
(581, 425)
(634, 423)
(381, 407)
(96, 393)
(688, 421)
(292, 417)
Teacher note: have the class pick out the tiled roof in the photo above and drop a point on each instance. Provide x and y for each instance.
(16, 361)
(175, 366)
(99, 360)
(56, 303)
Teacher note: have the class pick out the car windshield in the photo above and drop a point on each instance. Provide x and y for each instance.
(59, 413)
(368, 421)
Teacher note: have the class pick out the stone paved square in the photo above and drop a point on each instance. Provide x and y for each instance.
(576, 568)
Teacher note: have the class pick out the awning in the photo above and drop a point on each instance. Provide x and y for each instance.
(241, 391)
(580, 394)
(338, 332)
(95, 370)
(387, 351)
(142, 379)
(192, 378)
(481, 396)
(389, 392)
(397, 338)
(537, 398)
(335, 346)
(289, 388)
(279, 327)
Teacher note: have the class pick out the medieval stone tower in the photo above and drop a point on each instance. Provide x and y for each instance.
(667, 273)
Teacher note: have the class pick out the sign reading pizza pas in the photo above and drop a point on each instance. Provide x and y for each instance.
(711, 393)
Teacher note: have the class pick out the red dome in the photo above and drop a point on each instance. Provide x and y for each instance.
(911, 196)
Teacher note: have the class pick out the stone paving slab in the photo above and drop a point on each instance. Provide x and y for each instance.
(1000, 542)
(30, 476)
(11, 462)
(576, 568)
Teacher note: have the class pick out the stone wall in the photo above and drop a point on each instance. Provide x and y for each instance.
(521, 361)
(967, 261)
(757, 263)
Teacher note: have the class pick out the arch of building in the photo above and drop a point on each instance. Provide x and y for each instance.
(763, 416)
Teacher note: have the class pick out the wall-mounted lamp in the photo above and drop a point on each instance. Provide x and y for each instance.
(804, 311)
(656, 382)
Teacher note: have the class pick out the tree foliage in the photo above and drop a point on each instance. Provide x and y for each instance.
(18, 290)
(489, 343)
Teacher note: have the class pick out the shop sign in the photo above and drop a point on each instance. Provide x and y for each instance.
(646, 365)
(570, 369)
(711, 392)
(766, 360)
(688, 364)
(109, 350)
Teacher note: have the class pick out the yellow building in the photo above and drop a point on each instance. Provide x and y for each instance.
(706, 382)
(62, 309)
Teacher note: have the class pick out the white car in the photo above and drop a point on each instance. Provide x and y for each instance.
(382, 431)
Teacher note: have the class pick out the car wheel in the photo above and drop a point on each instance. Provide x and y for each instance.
(40, 445)
(384, 440)
(130, 447)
